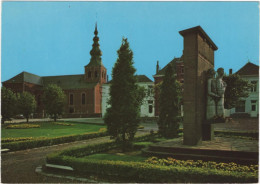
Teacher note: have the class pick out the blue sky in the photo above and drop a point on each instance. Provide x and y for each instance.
(54, 38)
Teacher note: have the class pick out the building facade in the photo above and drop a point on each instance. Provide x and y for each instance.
(83, 91)
(178, 65)
(147, 108)
(249, 106)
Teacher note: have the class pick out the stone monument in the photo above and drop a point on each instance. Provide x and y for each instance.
(198, 59)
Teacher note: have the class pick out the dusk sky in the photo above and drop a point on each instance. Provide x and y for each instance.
(55, 38)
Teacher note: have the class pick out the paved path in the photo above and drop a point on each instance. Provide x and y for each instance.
(19, 166)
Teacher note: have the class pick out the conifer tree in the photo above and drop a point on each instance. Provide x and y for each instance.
(170, 94)
(122, 117)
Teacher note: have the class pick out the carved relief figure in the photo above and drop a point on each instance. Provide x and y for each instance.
(221, 87)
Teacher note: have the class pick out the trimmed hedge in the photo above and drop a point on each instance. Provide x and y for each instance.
(39, 142)
(140, 171)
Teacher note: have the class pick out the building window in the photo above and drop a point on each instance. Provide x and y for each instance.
(39, 100)
(71, 99)
(150, 108)
(83, 99)
(254, 86)
(96, 74)
(241, 106)
(150, 90)
(89, 74)
(253, 105)
(71, 110)
(182, 70)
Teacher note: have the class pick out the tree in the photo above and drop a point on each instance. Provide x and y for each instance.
(122, 117)
(8, 104)
(26, 104)
(236, 89)
(53, 100)
(170, 96)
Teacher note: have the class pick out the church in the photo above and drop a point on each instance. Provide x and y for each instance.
(83, 91)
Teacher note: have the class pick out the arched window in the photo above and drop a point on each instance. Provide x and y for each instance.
(89, 74)
(96, 74)
(83, 98)
(71, 99)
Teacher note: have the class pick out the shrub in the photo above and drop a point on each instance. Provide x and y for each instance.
(4, 140)
(22, 126)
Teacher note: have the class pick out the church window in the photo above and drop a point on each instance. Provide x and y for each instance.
(83, 99)
(39, 100)
(254, 86)
(96, 74)
(150, 108)
(71, 99)
(89, 74)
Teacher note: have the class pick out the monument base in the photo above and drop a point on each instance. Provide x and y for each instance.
(207, 132)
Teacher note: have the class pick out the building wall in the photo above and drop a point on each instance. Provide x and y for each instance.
(148, 101)
(253, 96)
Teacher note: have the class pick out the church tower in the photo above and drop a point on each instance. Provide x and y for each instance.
(95, 71)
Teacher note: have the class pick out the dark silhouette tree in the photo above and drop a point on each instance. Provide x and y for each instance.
(8, 104)
(170, 96)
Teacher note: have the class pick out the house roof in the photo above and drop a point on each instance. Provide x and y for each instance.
(140, 78)
(249, 69)
(175, 60)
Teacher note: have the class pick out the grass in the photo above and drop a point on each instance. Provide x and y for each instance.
(114, 157)
(50, 129)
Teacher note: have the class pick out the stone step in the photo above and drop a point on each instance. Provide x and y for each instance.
(61, 167)
(206, 152)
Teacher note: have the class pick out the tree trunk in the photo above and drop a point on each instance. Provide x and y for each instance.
(55, 117)
(27, 119)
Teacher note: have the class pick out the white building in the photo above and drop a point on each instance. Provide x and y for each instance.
(147, 108)
(249, 105)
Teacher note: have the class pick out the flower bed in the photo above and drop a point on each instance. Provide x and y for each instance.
(64, 124)
(126, 171)
(201, 164)
(22, 126)
(44, 141)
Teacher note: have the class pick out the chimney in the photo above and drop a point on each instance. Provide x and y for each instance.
(230, 71)
(157, 67)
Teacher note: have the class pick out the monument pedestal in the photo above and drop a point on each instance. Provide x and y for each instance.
(207, 132)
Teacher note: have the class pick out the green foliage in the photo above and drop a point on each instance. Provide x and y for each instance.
(53, 100)
(8, 104)
(26, 104)
(129, 171)
(122, 118)
(170, 96)
(45, 141)
(236, 89)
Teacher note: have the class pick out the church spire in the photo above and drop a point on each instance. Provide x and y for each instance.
(95, 51)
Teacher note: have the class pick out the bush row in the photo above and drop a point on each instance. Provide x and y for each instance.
(141, 171)
(43, 141)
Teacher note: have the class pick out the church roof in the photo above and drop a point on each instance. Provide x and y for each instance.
(249, 69)
(68, 81)
(25, 77)
(175, 60)
(64, 81)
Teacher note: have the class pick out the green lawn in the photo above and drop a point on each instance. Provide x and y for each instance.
(127, 158)
(48, 129)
